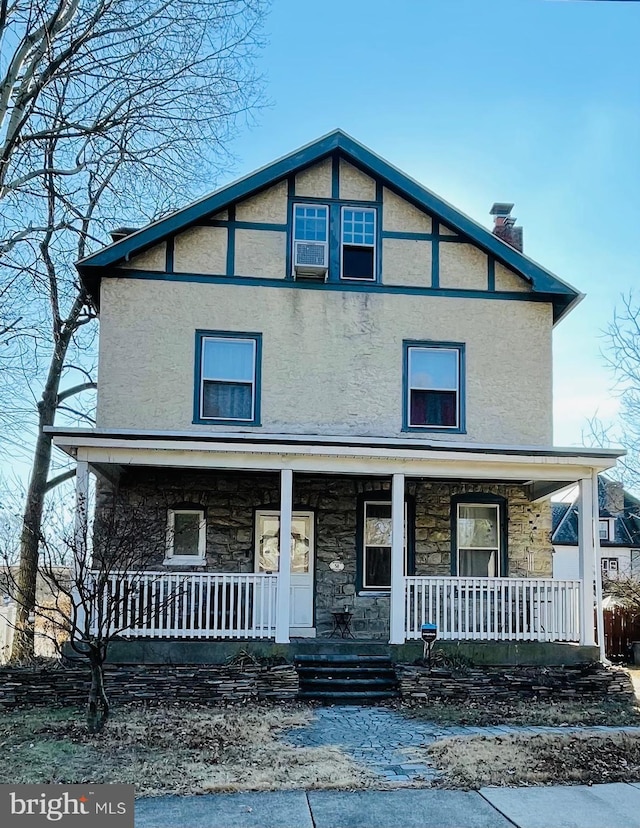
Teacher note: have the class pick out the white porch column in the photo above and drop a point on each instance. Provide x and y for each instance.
(284, 567)
(598, 564)
(586, 550)
(397, 621)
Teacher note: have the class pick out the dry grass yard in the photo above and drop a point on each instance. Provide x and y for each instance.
(526, 759)
(171, 750)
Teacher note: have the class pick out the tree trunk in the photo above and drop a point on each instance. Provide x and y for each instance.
(97, 704)
(23, 639)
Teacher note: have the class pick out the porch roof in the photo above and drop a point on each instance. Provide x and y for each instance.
(545, 469)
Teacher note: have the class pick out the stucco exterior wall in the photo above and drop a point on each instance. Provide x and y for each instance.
(401, 216)
(463, 266)
(315, 182)
(260, 253)
(406, 262)
(332, 360)
(153, 259)
(269, 206)
(508, 280)
(201, 250)
(354, 184)
(230, 500)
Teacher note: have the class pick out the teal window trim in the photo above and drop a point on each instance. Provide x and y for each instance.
(482, 499)
(426, 344)
(335, 207)
(200, 337)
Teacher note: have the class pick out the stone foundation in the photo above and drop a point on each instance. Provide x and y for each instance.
(230, 500)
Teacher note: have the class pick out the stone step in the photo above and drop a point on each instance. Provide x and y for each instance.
(346, 696)
(355, 685)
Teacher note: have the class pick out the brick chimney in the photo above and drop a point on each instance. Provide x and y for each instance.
(505, 225)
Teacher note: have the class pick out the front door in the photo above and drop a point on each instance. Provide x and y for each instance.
(302, 555)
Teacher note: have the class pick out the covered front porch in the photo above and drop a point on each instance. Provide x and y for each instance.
(385, 530)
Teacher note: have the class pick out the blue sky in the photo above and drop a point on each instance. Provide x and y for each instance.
(531, 101)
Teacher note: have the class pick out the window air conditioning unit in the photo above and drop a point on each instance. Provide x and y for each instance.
(310, 259)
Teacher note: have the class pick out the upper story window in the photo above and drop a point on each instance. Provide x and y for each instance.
(310, 240)
(433, 386)
(358, 243)
(227, 367)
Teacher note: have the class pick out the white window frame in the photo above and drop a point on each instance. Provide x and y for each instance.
(186, 560)
(374, 246)
(411, 388)
(314, 206)
(497, 549)
(372, 590)
(608, 525)
(221, 338)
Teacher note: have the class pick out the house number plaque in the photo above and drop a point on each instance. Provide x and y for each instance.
(336, 566)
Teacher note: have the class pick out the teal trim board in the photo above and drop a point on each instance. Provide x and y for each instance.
(335, 144)
(231, 241)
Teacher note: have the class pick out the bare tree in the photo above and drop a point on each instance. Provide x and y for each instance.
(90, 594)
(110, 112)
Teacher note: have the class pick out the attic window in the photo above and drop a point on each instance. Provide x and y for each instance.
(358, 249)
(606, 529)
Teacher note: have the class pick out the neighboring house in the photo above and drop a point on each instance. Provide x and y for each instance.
(325, 350)
(52, 604)
(618, 529)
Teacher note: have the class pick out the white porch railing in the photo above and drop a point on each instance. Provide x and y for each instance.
(189, 605)
(494, 609)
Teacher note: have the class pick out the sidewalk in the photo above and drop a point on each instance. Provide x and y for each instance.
(615, 805)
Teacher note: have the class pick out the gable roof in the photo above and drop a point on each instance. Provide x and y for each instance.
(562, 295)
(564, 517)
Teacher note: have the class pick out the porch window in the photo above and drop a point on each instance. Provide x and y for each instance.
(376, 547)
(478, 540)
(186, 537)
(433, 380)
(227, 368)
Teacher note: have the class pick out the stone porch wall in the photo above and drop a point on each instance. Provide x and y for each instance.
(231, 498)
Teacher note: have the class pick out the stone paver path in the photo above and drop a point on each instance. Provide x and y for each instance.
(387, 742)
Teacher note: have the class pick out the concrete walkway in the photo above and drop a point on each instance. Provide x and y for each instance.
(579, 806)
(387, 742)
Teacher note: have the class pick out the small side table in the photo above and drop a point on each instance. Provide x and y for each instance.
(342, 625)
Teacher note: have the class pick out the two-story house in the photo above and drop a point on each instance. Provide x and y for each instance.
(325, 351)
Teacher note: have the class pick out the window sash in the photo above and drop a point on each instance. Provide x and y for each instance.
(604, 529)
(311, 222)
(422, 394)
(358, 230)
(495, 550)
(200, 553)
(366, 545)
(227, 378)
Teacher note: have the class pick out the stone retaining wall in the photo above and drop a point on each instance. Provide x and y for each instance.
(423, 684)
(201, 684)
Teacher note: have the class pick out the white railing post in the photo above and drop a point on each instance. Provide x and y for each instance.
(397, 602)
(586, 547)
(284, 564)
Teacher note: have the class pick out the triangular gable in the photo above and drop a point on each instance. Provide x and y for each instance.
(561, 294)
